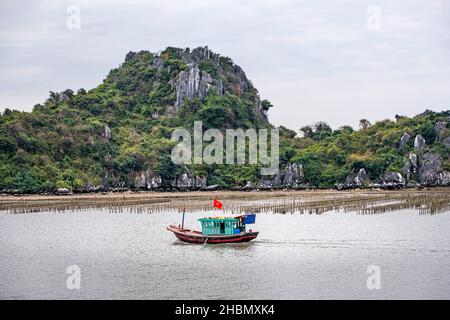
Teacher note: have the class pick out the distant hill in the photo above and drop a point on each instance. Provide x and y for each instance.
(407, 151)
(117, 135)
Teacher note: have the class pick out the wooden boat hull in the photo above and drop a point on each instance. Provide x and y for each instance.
(192, 236)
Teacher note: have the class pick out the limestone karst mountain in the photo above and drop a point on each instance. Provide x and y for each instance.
(117, 136)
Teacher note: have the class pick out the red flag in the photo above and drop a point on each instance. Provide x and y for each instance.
(217, 204)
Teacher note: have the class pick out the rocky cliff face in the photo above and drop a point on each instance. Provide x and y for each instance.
(431, 173)
(404, 140)
(422, 164)
(290, 177)
(106, 134)
(393, 178)
(446, 142)
(193, 83)
(410, 166)
(147, 180)
(419, 143)
(187, 181)
(361, 179)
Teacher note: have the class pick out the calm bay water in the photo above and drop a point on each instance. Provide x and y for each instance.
(132, 256)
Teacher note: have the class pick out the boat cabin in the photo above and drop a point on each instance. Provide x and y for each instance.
(225, 225)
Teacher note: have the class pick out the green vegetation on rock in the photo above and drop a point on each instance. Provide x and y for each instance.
(119, 133)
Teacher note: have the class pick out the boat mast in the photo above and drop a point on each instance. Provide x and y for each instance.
(182, 219)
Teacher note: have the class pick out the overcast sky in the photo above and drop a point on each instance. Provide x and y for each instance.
(337, 61)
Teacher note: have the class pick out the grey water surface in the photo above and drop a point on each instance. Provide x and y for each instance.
(132, 256)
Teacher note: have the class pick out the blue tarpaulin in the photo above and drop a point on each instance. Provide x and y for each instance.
(250, 218)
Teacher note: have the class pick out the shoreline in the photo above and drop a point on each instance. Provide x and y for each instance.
(427, 200)
(202, 193)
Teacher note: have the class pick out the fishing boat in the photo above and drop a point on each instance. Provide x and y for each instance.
(218, 230)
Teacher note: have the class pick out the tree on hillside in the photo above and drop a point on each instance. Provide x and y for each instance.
(53, 97)
(307, 131)
(364, 123)
(322, 126)
(317, 131)
(266, 105)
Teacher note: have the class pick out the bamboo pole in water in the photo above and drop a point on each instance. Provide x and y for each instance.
(302, 202)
